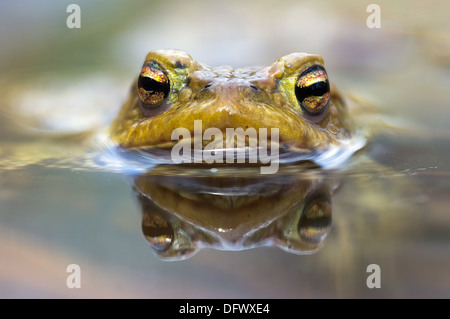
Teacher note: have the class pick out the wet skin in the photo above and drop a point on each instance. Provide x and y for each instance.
(183, 212)
(293, 94)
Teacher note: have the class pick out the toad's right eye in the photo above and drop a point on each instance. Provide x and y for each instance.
(153, 86)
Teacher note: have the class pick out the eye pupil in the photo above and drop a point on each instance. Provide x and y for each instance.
(149, 84)
(152, 92)
(316, 89)
(313, 90)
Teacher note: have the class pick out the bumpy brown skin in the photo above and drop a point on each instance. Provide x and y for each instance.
(225, 98)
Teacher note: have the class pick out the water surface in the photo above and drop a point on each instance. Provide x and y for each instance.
(392, 212)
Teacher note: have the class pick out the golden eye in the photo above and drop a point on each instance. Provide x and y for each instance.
(153, 86)
(315, 221)
(157, 230)
(313, 90)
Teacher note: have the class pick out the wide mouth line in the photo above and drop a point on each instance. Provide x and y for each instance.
(143, 158)
(209, 146)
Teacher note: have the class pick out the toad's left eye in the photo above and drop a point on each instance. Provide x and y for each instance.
(313, 90)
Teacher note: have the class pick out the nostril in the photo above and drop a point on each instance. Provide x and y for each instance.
(207, 86)
(254, 87)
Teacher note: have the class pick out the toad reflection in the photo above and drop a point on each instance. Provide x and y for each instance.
(184, 212)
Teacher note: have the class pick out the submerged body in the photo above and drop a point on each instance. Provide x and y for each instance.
(293, 95)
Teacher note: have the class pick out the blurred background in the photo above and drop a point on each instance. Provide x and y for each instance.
(67, 81)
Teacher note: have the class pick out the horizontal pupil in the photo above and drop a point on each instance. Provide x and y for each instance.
(316, 89)
(151, 85)
(319, 88)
